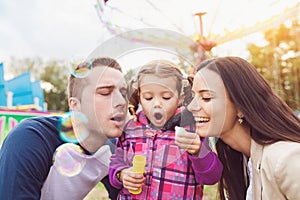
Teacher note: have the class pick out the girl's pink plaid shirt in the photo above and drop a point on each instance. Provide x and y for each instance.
(171, 173)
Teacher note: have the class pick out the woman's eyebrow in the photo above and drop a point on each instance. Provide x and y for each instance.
(207, 90)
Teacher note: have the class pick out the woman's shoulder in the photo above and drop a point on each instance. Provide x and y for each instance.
(282, 147)
(282, 162)
(282, 153)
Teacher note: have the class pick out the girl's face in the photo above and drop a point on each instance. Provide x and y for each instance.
(212, 109)
(159, 98)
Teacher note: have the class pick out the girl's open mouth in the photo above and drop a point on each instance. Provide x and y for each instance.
(158, 116)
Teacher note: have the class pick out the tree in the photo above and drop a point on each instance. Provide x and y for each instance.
(130, 74)
(279, 61)
(32, 65)
(56, 96)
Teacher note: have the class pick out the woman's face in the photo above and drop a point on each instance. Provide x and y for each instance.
(212, 109)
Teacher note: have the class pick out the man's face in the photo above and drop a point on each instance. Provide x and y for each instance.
(104, 102)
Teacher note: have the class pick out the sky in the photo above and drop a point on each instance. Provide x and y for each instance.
(55, 29)
(47, 28)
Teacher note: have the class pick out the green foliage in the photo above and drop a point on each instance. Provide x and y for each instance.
(56, 97)
(19, 66)
(279, 61)
(130, 74)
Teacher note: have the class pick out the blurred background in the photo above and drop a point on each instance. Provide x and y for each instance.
(41, 40)
(44, 37)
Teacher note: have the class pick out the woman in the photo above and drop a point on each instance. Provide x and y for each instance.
(232, 101)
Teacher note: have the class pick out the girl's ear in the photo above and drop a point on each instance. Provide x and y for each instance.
(74, 104)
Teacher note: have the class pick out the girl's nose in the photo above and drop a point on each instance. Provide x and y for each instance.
(157, 103)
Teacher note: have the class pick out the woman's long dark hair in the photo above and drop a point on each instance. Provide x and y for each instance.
(235, 180)
(267, 115)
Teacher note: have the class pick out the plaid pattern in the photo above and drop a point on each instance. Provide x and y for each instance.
(169, 173)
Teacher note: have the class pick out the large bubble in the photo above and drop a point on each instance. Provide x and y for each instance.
(69, 159)
(72, 127)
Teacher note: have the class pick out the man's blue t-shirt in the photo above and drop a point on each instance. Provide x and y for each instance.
(26, 157)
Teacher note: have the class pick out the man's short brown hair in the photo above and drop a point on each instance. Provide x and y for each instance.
(76, 84)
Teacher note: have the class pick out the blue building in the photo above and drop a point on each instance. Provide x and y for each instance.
(20, 91)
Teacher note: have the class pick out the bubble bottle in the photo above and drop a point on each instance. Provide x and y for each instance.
(139, 162)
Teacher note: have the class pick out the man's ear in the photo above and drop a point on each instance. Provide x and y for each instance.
(74, 104)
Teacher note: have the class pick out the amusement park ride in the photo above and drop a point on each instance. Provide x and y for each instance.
(202, 44)
(239, 27)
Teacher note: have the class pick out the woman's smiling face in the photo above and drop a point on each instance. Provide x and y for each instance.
(214, 112)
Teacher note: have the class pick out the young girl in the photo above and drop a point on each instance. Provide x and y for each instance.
(175, 168)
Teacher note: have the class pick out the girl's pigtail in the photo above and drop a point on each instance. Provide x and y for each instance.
(185, 117)
(133, 97)
(187, 91)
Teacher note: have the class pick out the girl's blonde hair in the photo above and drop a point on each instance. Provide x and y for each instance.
(159, 68)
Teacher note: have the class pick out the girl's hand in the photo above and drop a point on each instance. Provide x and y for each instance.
(187, 140)
(131, 180)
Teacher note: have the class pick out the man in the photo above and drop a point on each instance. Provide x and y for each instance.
(97, 91)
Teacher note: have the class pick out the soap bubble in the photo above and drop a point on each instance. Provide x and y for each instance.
(72, 127)
(69, 159)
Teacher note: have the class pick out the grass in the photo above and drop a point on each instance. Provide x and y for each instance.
(100, 193)
(210, 192)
